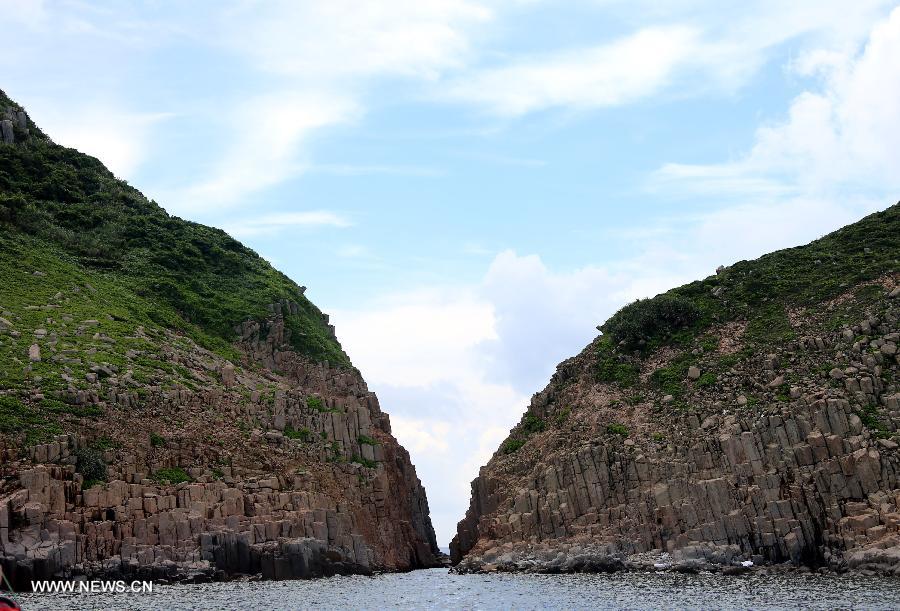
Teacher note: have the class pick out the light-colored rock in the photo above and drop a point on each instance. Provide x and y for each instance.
(228, 375)
(7, 134)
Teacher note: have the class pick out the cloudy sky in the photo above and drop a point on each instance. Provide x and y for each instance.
(470, 187)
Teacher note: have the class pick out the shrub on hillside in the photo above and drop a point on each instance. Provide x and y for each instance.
(647, 319)
(91, 465)
(171, 475)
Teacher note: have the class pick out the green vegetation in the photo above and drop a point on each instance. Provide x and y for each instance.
(107, 273)
(365, 462)
(783, 393)
(670, 379)
(303, 434)
(658, 437)
(171, 272)
(869, 417)
(157, 440)
(646, 319)
(611, 370)
(529, 425)
(335, 452)
(365, 439)
(532, 424)
(617, 429)
(760, 291)
(59, 407)
(562, 416)
(171, 475)
(91, 466)
(769, 325)
(104, 443)
(16, 417)
(730, 360)
(706, 380)
(512, 445)
(317, 405)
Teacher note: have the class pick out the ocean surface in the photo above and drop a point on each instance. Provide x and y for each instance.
(437, 589)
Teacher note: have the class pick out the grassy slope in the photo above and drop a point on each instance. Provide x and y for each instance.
(106, 254)
(197, 278)
(758, 293)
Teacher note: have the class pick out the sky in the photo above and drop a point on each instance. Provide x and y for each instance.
(469, 187)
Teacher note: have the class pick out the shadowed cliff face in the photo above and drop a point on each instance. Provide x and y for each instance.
(171, 406)
(750, 416)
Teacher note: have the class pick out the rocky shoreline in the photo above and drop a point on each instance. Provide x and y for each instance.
(727, 560)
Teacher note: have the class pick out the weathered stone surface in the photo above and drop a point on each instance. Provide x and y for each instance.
(778, 462)
(6, 131)
(228, 375)
(268, 501)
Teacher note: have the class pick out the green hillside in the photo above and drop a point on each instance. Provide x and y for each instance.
(196, 278)
(90, 264)
(760, 290)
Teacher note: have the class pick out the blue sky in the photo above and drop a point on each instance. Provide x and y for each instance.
(469, 187)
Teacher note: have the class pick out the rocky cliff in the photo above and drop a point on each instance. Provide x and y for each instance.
(751, 417)
(171, 407)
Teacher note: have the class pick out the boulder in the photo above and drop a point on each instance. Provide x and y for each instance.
(228, 375)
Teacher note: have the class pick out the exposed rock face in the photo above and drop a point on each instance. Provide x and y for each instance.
(171, 406)
(782, 455)
(293, 473)
(12, 119)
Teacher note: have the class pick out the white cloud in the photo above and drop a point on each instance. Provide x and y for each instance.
(344, 38)
(408, 327)
(30, 14)
(422, 352)
(455, 366)
(837, 139)
(366, 170)
(120, 139)
(625, 70)
(353, 251)
(268, 224)
(268, 135)
(686, 48)
(321, 55)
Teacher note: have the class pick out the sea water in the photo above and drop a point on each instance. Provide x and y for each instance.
(438, 589)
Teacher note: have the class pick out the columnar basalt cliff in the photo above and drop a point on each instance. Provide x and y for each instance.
(748, 418)
(171, 407)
